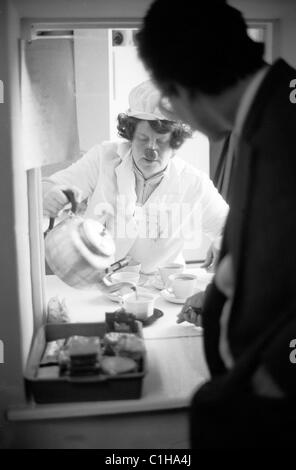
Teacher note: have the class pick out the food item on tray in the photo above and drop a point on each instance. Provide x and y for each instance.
(121, 322)
(81, 355)
(85, 368)
(130, 345)
(124, 344)
(82, 346)
(111, 339)
(57, 311)
(52, 352)
(113, 365)
(116, 353)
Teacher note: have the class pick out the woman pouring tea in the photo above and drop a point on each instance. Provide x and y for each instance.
(151, 201)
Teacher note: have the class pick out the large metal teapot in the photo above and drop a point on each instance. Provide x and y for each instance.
(80, 251)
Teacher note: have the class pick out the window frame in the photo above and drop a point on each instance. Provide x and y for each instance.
(32, 29)
(271, 32)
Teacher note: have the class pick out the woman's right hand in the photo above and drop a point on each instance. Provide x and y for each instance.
(54, 199)
(192, 309)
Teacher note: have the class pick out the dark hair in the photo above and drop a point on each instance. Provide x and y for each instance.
(179, 131)
(201, 45)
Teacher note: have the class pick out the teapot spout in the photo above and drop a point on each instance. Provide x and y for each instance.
(118, 265)
(106, 286)
(109, 287)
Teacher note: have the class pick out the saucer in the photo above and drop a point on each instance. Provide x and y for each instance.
(118, 297)
(131, 277)
(152, 318)
(170, 296)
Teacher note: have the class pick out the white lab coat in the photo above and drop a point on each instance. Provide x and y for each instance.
(183, 206)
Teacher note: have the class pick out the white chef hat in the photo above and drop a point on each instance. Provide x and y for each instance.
(144, 102)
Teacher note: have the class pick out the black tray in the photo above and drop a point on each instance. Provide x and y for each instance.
(77, 389)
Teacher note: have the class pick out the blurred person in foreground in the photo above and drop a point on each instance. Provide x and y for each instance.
(216, 80)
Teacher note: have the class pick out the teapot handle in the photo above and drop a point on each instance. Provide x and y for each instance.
(71, 198)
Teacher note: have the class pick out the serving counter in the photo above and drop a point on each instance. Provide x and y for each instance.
(176, 368)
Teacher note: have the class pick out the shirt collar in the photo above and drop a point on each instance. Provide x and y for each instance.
(153, 178)
(248, 98)
(125, 153)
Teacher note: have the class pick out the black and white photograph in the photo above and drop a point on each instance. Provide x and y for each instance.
(147, 193)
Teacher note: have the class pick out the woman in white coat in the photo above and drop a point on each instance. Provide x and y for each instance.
(156, 203)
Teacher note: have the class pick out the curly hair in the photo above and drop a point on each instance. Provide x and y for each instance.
(126, 126)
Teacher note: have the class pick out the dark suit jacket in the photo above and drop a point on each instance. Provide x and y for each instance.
(221, 159)
(261, 236)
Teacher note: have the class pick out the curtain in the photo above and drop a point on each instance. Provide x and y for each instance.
(49, 102)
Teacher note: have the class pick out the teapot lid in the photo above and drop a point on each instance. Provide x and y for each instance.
(97, 239)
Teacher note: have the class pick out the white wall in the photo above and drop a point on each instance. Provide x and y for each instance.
(93, 84)
(127, 72)
(88, 9)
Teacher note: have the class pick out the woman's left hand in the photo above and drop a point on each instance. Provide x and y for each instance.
(192, 309)
(212, 257)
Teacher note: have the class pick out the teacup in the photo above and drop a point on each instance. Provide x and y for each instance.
(182, 285)
(168, 270)
(141, 306)
(126, 276)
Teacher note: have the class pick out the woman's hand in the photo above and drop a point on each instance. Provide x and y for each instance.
(192, 309)
(54, 199)
(213, 255)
